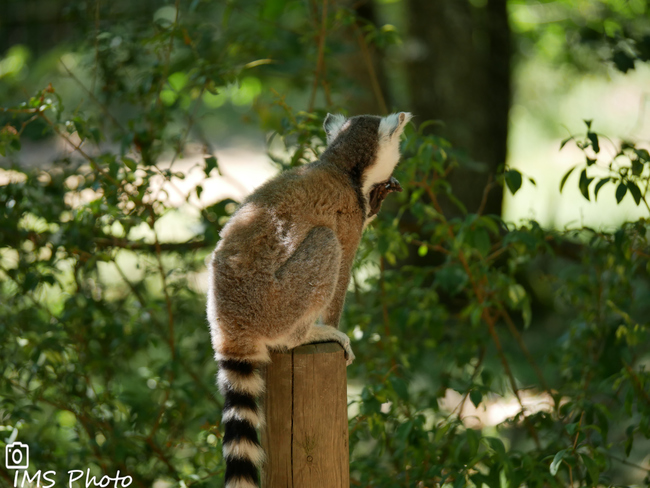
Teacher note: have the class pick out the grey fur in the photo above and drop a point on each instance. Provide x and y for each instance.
(285, 256)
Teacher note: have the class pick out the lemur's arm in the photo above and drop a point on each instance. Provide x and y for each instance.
(332, 314)
(377, 194)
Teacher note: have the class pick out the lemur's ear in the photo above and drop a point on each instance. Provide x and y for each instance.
(333, 125)
(393, 124)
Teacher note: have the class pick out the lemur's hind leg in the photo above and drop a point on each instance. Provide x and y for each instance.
(314, 270)
(304, 285)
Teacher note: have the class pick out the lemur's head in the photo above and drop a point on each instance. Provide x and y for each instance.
(367, 147)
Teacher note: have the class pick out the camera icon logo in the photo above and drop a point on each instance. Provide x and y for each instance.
(17, 456)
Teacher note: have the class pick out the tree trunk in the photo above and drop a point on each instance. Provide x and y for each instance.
(459, 73)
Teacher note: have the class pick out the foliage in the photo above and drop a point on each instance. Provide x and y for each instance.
(105, 353)
(468, 324)
(585, 34)
(629, 169)
(103, 364)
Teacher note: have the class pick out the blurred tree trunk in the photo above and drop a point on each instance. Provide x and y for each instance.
(38, 24)
(459, 72)
(362, 65)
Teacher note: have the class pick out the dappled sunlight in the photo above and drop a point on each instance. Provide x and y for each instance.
(242, 170)
(494, 410)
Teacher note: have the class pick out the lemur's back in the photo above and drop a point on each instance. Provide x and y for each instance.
(276, 218)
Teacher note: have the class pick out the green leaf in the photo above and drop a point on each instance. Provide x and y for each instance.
(516, 293)
(642, 154)
(584, 183)
(482, 241)
(423, 250)
(130, 163)
(177, 80)
(599, 185)
(210, 164)
(565, 177)
(475, 315)
(370, 406)
(588, 123)
(593, 137)
(30, 282)
(622, 60)
(476, 397)
(513, 180)
(113, 167)
(168, 97)
(472, 442)
(457, 202)
(497, 446)
(272, 9)
(557, 460)
(563, 143)
(620, 192)
(404, 430)
(592, 468)
(14, 145)
(637, 167)
(634, 190)
(451, 278)
(629, 442)
(400, 387)
(572, 428)
(460, 482)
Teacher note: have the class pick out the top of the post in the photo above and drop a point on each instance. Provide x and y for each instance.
(320, 348)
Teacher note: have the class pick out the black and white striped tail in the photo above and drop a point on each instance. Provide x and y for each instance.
(241, 385)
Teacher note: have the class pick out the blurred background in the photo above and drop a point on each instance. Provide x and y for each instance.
(130, 130)
(507, 80)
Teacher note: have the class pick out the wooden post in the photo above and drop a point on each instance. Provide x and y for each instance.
(306, 433)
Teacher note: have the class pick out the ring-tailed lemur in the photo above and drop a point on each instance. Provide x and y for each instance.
(284, 260)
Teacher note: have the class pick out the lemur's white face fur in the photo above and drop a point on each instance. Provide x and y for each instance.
(388, 138)
(390, 130)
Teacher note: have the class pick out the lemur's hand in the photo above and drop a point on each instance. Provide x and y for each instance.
(380, 191)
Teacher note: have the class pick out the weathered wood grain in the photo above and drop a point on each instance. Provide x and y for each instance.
(306, 432)
(276, 433)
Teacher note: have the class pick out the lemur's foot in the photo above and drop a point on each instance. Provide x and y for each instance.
(344, 340)
(327, 333)
(381, 191)
(349, 355)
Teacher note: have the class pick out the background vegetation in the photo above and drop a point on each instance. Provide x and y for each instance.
(488, 352)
